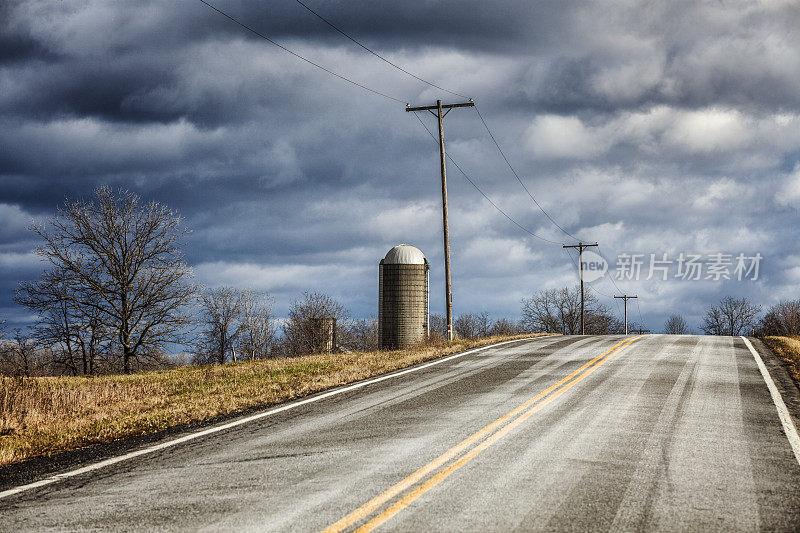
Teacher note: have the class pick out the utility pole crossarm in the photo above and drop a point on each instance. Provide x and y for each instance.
(444, 106)
(579, 245)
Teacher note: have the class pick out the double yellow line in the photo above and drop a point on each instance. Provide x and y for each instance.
(465, 449)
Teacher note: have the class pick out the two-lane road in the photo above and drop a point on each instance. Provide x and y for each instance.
(558, 433)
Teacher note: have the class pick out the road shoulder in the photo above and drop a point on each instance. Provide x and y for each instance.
(789, 390)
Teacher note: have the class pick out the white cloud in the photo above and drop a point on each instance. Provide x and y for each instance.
(499, 256)
(13, 221)
(71, 141)
(719, 194)
(554, 136)
(19, 261)
(632, 78)
(668, 133)
(268, 277)
(708, 130)
(789, 193)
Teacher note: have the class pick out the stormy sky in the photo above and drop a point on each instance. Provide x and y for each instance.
(651, 127)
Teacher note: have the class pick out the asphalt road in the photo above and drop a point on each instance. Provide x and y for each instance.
(675, 433)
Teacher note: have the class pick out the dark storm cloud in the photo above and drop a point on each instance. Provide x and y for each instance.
(21, 48)
(660, 126)
(134, 63)
(127, 62)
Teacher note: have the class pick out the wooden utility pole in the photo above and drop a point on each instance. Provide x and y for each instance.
(580, 246)
(448, 289)
(625, 299)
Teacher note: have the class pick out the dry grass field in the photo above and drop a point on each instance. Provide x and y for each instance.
(40, 416)
(788, 350)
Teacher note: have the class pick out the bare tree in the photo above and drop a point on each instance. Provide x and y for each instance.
(56, 324)
(551, 311)
(466, 326)
(20, 355)
(470, 326)
(301, 329)
(436, 327)
(782, 318)
(483, 324)
(122, 264)
(234, 320)
(257, 331)
(676, 325)
(72, 332)
(504, 326)
(221, 311)
(360, 335)
(733, 316)
(600, 320)
(633, 327)
(559, 311)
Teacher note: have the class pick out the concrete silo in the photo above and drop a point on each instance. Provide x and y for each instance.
(403, 287)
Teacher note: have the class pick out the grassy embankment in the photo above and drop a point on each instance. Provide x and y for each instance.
(40, 416)
(788, 350)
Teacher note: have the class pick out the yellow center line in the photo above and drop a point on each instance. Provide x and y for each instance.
(406, 500)
(412, 479)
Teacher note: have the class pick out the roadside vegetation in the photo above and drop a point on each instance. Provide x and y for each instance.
(44, 415)
(788, 350)
(780, 331)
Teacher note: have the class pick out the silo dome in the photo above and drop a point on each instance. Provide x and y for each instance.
(403, 284)
(404, 254)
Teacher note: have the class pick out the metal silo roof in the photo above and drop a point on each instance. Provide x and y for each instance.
(404, 254)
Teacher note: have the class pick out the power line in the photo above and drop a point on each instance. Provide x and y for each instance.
(617, 304)
(608, 276)
(450, 158)
(570, 257)
(295, 54)
(639, 309)
(494, 140)
(598, 291)
(611, 278)
(619, 309)
(595, 289)
(591, 286)
(356, 41)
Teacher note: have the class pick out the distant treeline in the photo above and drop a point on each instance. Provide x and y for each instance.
(739, 316)
(117, 295)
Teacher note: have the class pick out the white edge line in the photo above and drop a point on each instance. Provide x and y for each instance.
(216, 429)
(783, 413)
